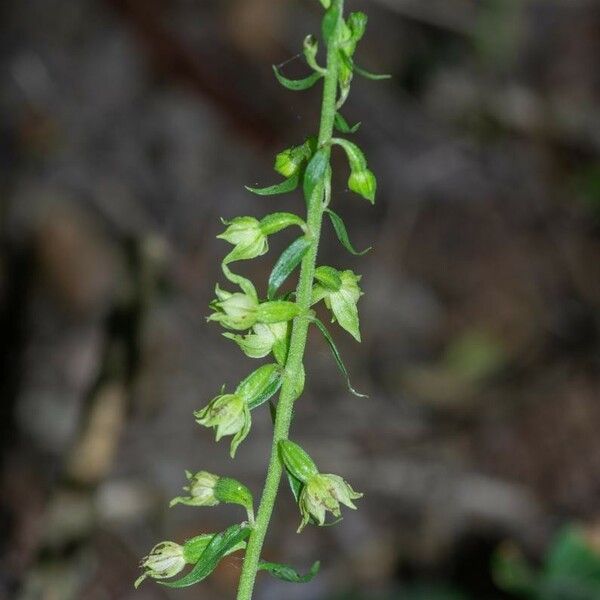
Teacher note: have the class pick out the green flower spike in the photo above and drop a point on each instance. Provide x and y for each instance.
(165, 560)
(271, 324)
(228, 414)
(323, 493)
(341, 292)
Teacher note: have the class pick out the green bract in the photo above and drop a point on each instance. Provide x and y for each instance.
(341, 301)
(273, 319)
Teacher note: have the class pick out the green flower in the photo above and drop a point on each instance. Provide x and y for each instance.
(246, 235)
(323, 493)
(228, 414)
(263, 340)
(342, 301)
(241, 311)
(234, 310)
(201, 490)
(165, 560)
(206, 489)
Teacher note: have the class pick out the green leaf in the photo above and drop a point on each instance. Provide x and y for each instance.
(287, 573)
(220, 545)
(287, 262)
(330, 21)
(512, 572)
(342, 233)
(572, 556)
(288, 185)
(297, 85)
(372, 76)
(336, 356)
(315, 172)
(343, 126)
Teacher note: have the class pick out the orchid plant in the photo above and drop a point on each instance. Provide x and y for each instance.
(277, 326)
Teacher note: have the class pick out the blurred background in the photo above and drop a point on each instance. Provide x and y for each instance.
(128, 127)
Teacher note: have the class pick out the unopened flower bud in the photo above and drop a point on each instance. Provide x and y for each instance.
(289, 161)
(322, 493)
(353, 33)
(165, 560)
(363, 183)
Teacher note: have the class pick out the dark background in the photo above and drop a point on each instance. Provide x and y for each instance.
(128, 127)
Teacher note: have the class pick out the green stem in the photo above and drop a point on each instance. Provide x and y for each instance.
(298, 338)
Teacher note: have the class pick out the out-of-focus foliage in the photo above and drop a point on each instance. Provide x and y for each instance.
(570, 570)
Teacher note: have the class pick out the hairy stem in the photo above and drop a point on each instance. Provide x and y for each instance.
(298, 339)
